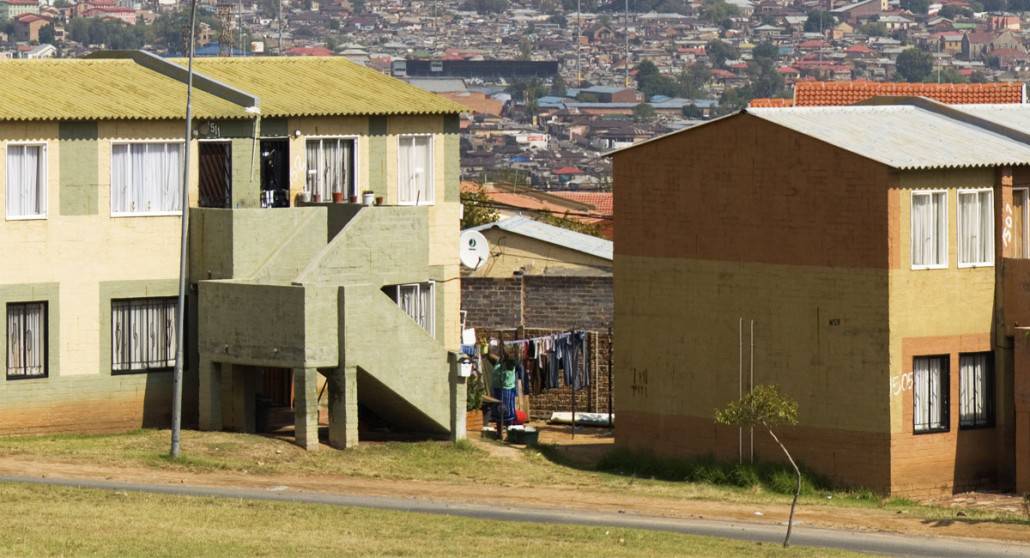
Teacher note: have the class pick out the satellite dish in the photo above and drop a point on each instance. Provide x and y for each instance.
(475, 250)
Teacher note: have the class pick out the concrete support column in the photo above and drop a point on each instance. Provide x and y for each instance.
(343, 408)
(305, 407)
(458, 400)
(210, 396)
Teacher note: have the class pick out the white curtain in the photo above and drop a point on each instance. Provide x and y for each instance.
(973, 389)
(26, 180)
(415, 181)
(142, 334)
(929, 228)
(146, 177)
(976, 227)
(417, 301)
(26, 328)
(927, 397)
(330, 167)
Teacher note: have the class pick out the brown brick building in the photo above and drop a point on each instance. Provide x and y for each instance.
(880, 252)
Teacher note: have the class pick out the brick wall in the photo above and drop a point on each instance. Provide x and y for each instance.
(550, 302)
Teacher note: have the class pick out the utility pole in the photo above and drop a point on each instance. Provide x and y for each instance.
(280, 27)
(180, 317)
(579, 35)
(626, 21)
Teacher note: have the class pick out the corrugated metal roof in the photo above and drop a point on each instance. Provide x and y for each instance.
(902, 137)
(551, 234)
(1016, 117)
(322, 86)
(78, 89)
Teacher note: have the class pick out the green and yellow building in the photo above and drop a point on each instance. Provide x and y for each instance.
(294, 301)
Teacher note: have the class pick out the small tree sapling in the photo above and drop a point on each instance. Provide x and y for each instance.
(765, 407)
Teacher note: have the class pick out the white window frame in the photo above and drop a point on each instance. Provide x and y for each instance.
(911, 225)
(1026, 223)
(430, 173)
(44, 180)
(357, 161)
(110, 181)
(958, 239)
(430, 327)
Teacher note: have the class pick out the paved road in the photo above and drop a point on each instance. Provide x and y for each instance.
(894, 545)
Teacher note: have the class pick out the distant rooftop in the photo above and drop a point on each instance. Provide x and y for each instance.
(837, 93)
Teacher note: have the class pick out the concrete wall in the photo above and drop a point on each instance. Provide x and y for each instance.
(792, 234)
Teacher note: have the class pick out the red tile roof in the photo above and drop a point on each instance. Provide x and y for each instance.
(309, 51)
(602, 201)
(771, 103)
(567, 170)
(820, 93)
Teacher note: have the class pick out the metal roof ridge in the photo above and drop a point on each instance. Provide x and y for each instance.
(952, 113)
(150, 61)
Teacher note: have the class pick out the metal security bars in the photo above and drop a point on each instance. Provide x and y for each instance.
(27, 344)
(930, 388)
(976, 390)
(142, 334)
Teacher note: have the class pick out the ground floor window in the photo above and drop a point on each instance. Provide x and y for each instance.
(26, 340)
(976, 390)
(418, 300)
(143, 334)
(930, 394)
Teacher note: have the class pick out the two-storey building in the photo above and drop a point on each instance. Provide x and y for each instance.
(869, 260)
(293, 299)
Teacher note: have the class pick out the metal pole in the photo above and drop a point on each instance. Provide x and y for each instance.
(579, 34)
(740, 385)
(280, 28)
(572, 374)
(180, 317)
(611, 419)
(626, 19)
(751, 387)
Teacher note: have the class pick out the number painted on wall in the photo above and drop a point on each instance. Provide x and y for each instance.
(901, 383)
(1006, 231)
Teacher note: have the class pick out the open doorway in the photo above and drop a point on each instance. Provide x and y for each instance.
(216, 174)
(274, 399)
(275, 173)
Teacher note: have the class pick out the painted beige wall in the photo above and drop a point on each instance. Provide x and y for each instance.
(511, 252)
(351, 127)
(79, 252)
(935, 302)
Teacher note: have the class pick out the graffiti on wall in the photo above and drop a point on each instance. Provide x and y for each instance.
(901, 384)
(1006, 231)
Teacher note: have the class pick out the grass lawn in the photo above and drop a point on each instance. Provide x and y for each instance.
(206, 452)
(45, 521)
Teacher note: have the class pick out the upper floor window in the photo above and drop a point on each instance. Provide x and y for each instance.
(331, 168)
(975, 228)
(929, 229)
(415, 175)
(930, 394)
(1019, 221)
(26, 181)
(976, 390)
(143, 334)
(26, 340)
(418, 300)
(146, 178)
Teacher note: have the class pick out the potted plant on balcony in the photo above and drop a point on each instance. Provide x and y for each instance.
(379, 200)
(368, 197)
(338, 197)
(304, 196)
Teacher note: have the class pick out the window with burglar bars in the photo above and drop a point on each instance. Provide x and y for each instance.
(976, 390)
(26, 340)
(143, 334)
(418, 301)
(930, 394)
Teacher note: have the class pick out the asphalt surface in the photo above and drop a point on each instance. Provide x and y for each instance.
(874, 543)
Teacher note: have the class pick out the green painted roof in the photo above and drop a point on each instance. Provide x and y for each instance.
(77, 89)
(116, 89)
(321, 86)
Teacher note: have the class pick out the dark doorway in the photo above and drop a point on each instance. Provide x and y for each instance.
(275, 173)
(215, 174)
(274, 399)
